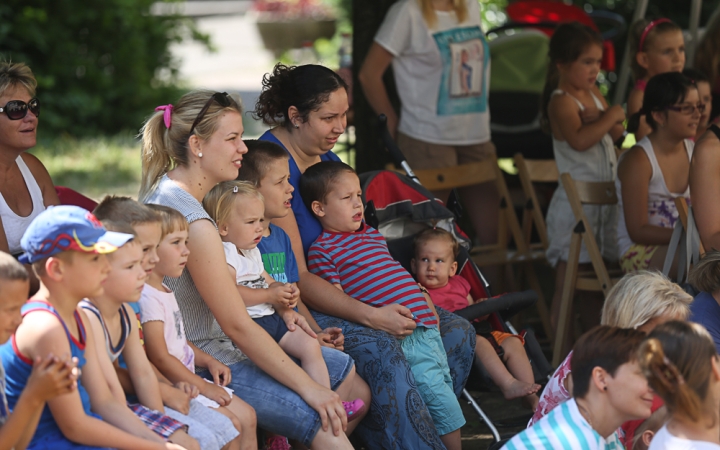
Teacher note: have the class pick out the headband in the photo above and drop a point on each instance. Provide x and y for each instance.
(167, 114)
(647, 29)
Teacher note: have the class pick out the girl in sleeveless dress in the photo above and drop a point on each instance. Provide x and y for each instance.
(655, 172)
(583, 129)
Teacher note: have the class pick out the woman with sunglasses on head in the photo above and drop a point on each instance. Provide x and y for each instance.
(187, 149)
(655, 172)
(26, 189)
(307, 107)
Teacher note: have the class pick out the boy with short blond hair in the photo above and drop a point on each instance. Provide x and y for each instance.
(67, 246)
(212, 429)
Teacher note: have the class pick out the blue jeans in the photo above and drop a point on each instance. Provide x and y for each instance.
(279, 409)
(398, 417)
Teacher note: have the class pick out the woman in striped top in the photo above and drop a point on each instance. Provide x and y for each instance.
(608, 389)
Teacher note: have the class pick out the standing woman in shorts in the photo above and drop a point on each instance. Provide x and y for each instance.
(441, 63)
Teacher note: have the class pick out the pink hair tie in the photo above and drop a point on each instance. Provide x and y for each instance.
(647, 29)
(167, 114)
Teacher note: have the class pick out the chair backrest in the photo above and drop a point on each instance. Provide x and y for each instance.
(535, 171)
(470, 174)
(458, 176)
(590, 193)
(683, 213)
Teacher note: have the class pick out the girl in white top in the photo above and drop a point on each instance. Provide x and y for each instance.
(682, 366)
(583, 130)
(656, 171)
(238, 209)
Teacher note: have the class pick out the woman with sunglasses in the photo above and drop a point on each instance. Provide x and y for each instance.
(655, 172)
(187, 149)
(307, 107)
(26, 189)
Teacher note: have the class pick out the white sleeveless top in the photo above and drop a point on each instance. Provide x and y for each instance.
(661, 202)
(13, 224)
(598, 163)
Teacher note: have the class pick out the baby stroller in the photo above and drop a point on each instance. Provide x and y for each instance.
(399, 208)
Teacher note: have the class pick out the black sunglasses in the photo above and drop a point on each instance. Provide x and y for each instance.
(17, 109)
(223, 100)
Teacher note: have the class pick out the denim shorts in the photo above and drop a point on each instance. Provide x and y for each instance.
(212, 430)
(278, 408)
(428, 362)
(274, 325)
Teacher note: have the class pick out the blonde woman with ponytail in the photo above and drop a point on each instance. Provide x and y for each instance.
(682, 367)
(188, 148)
(441, 64)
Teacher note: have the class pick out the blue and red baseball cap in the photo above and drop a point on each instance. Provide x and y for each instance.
(68, 228)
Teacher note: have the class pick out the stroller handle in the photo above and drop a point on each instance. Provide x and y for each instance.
(392, 148)
(507, 305)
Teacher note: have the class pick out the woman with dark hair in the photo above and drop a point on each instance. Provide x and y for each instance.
(655, 172)
(608, 390)
(307, 107)
(682, 366)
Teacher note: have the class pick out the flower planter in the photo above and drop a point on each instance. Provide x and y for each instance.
(281, 35)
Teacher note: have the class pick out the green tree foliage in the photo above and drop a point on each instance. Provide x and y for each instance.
(102, 66)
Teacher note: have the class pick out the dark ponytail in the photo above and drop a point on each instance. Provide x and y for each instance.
(304, 87)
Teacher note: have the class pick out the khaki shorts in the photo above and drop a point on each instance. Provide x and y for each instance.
(424, 155)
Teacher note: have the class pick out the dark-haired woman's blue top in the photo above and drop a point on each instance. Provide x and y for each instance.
(308, 224)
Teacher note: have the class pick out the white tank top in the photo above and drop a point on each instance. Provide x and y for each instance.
(13, 224)
(661, 202)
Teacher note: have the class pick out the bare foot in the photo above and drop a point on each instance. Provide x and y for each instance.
(531, 401)
(516, 389)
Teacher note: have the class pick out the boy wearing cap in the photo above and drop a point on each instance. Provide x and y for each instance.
(66, 246)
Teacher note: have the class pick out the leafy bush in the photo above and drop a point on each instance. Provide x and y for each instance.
(102, 66)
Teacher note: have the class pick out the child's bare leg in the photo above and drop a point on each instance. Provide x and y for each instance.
(245, 421)
(183, 439)
(519, 365)
(307, 349)
(452, 440)
(509, 385)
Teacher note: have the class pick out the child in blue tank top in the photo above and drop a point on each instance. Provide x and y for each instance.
(66, 246)
(49, 377)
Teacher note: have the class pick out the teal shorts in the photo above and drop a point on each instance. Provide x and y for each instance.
(426, 356)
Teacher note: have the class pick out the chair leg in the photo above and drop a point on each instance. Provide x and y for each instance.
(542, 307)
(568, 293)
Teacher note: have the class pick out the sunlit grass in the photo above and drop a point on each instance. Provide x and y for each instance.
(93, 166)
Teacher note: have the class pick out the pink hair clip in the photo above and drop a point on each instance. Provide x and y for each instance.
(167, 114)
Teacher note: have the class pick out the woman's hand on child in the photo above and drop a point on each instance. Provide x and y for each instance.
(394, 319)
(216, 393)
(332, 337)
(293, 320)
(282, 294)
(220, 372)
(328, 405)
(52, 377)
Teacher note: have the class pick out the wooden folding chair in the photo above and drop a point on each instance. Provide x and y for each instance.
(476, 173)
(683, 211)
(533, 171)
(581, 193)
